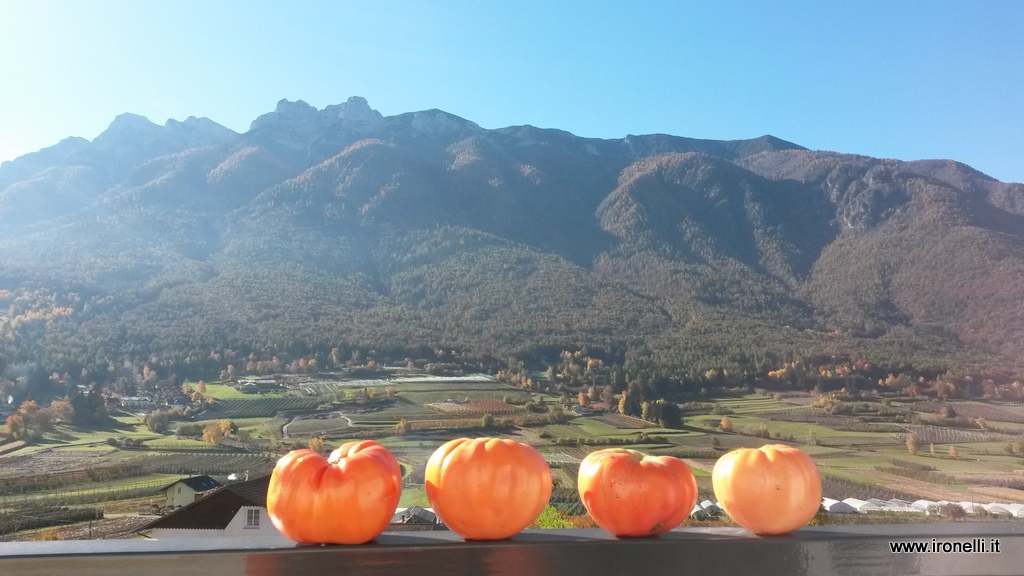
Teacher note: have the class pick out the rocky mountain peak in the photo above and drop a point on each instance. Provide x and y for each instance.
(200, 131)
(127, 129)
(355, 114)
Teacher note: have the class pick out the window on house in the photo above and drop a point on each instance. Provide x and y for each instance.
(252, 518)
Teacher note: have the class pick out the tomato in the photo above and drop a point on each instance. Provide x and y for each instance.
(629, 493)
(774, 489)
(487, 488)
(348, 498)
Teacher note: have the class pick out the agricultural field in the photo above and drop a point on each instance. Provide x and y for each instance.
(258, 407)
(863, 454)
(475, 407)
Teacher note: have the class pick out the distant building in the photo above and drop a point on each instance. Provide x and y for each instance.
(137, 402)
(415, 518)
(237, 510)
(188, 490)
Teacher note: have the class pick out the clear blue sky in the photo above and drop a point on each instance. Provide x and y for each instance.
(904, 79)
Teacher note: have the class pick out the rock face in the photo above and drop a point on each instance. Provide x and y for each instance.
(342, 225)
(356, 115)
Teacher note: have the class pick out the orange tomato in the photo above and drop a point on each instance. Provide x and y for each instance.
(487, 488)
(348, 498)
(629, 493)
(774, 489)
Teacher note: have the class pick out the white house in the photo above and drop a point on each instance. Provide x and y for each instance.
(233, 511)
(187, 490)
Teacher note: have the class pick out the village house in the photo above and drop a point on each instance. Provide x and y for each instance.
(239, 510)
(137, 402)
(415, 518)
(188, 490)
(233, 511)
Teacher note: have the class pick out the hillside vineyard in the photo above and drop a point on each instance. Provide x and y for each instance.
(187, 244)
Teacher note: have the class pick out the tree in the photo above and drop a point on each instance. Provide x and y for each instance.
(201, 388)
(608, 395)
(725, 424)
(157, 421)
(212, 434)
(316, 444)
(912, 444)
(716, 444)
(953, 511)
(16, 427)
(487, 420)
(631, 403)
(227, 427)
(584, 399)
(954, 453)
(62, 410)
(931, 449)
(669, 415)
(403, 427)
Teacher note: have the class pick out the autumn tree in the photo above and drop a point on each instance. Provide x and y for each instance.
(912, 444)
(62, 410)
(954, 453)
(403, 427)
(725, 425)
(227, 427)
(931, 449)
(316, 444)
(16, 427)
(212, 434)
(487, 420)
(584, 399)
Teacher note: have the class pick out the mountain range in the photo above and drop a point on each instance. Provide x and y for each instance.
(318, 228)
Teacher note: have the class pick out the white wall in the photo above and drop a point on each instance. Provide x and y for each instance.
(180, 495)
(236, 528)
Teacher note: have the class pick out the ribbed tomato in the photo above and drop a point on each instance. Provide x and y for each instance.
(348, 498)
(774, 489)
(487, 488)
(629, 493)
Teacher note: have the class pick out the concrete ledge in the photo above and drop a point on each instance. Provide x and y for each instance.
(811, 551)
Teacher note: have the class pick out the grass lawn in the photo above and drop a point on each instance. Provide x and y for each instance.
(173, 442)
(225, 392)
(753, 403)
(413, 496)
